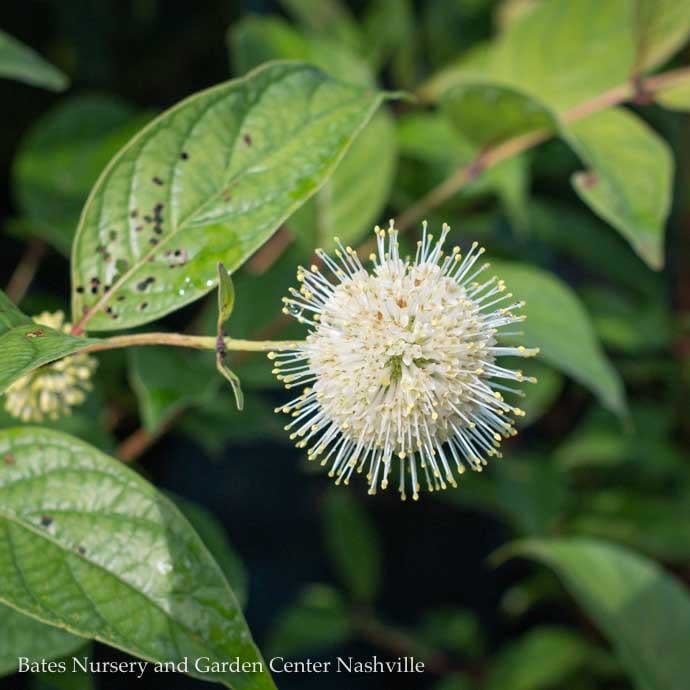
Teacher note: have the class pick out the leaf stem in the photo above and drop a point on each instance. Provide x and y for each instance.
(26, 270)
(197, 342)
(493, 155)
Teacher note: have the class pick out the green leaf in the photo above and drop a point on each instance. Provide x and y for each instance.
(541, 659)
(350, 202)
(659, 527)
(327, 17)
(21, 63)
(487, 114)
(556, 53)
(676, 98)
(209, 180)
(27, 637)
(353, 545)
(258, 307)
(25, 345)
(389, 27)
(473, 64)
(643, 611)
(226, 297)
(560, 327)
(449, 29)
(317, 621)
(226, 304)
(10, 315)
(60, 159)
(597, 442)
(629, 178)
(662, 27)
(232, 378)
(633, 326)
(527, 491)
(93, 548)
(213, 534)
(255, 40)
(166, 380)
(631, 168)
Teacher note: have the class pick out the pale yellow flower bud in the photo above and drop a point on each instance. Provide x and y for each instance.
(51, 391)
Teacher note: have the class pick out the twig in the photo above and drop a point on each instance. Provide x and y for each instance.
(270, 252)
(399, 643)
(511, 147)
(25, 271)
(138, 442)
(196, 342)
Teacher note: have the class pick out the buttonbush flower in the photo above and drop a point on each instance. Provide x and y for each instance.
(52, 390)
(400, 364)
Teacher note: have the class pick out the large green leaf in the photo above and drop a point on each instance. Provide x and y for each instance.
(644, 612)
(25, 345)
(208, 181)
(557, 324)
(556, 53)
(631, 168)
(21, 63)
(93, 548)
(27, 637)
(630, 177)
(60, 159)
(353, 544)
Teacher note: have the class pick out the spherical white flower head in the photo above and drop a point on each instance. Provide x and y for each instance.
(51, 390)
(401, 364)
